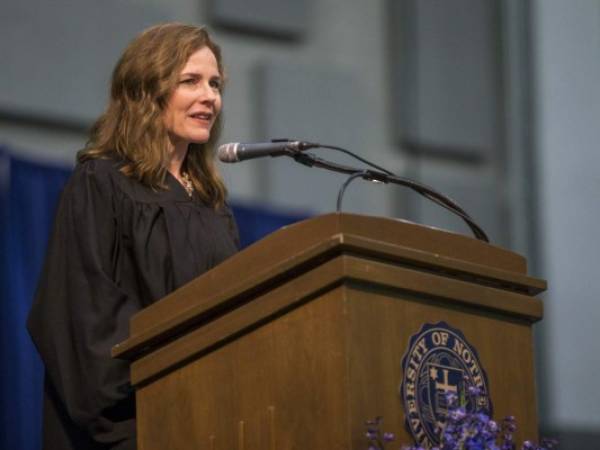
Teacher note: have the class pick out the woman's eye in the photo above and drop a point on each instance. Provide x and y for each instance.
(216, 84)
(188, 81)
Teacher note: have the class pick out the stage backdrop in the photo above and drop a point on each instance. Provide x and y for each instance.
(29, 192)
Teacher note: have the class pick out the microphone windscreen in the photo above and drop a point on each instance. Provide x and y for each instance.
(227, 153)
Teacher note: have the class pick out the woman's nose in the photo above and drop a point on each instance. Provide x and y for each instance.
(208, 93)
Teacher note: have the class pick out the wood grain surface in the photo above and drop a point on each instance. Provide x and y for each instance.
(296, 341)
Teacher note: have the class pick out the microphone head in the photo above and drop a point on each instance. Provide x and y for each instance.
(227, 153)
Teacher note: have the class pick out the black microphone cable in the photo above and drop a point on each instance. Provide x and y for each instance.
(386, 176)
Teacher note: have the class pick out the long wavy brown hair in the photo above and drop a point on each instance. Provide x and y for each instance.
(132, 125)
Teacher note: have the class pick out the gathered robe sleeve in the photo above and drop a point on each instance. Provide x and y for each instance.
(80, 312)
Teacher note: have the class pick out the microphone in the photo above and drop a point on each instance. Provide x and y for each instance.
(235, 152)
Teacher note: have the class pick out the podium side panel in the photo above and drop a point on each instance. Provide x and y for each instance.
(281, 386)
(504, 346)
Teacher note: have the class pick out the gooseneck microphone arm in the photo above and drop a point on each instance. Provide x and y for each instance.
(310, 160)
(236, 152)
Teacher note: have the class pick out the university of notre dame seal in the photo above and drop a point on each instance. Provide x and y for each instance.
(439, 360)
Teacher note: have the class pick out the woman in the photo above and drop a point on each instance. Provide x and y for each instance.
(143, 213)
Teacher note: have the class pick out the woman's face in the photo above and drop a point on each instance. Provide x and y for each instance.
(196, 101)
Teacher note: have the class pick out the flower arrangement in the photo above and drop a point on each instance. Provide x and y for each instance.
(463, 430)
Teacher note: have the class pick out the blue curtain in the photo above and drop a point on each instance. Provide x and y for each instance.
(28, 200)
(29, 192)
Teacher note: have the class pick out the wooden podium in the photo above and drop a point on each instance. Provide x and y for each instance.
(294, 342)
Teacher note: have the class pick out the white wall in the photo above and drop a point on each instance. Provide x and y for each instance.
(567, 67)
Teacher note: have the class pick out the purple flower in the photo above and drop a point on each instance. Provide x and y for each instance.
(371, 434)
(457, 414)
(451, 398)
(482, 418)
(388, 437)
(474, 391)
(463, 430)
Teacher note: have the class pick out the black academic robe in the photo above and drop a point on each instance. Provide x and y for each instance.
(117, 246)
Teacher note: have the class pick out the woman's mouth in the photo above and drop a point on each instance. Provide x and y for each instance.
(202, 116)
